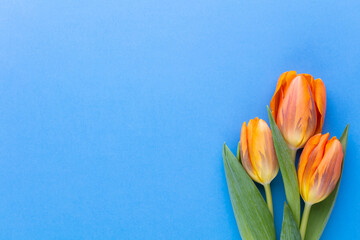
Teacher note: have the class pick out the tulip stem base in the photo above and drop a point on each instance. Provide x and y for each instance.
(269, 198)
(293, 154)
(304, 220)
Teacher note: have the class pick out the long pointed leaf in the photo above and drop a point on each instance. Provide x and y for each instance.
(253, 218)
(287, 169)
(289, 230)
(320, 212)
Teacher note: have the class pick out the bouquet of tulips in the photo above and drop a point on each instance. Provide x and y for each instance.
(296, 118)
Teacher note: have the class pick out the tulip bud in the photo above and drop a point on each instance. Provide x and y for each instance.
(319, 168)
(257, 151)
(298, 107)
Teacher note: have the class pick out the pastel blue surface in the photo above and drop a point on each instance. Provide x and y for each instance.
(114, 113)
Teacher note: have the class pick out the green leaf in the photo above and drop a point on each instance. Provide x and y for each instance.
(320, 212)
(238, 152)
(289, 230)
(253, 218)
(287, 168)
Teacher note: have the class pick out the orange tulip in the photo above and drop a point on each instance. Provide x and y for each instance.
(257, 151)
(298, 107)
(318, 172)
(319, 167)
(258, 155)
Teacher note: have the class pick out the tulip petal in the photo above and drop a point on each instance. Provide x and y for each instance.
(282, 84)
(255, 155)
(262, 152)
(327, 174)
(303, 162)
(316, 156)
(257, 151)
(245, 157)
(309, 79)
(320, 102)
(297, 113)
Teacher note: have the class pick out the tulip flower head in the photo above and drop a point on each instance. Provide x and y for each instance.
(319, 168)
(257, 151)
(298, 107)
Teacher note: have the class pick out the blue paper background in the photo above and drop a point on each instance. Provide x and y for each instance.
(114, 113)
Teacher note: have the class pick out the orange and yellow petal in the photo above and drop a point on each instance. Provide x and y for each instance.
(244, 151)
(297, 114)
(309, 79)
(282, 84)
(328, 172)
(262, 153)
(319, 168)
(257, 151)
(305, 155)
(313, 160)
(320, 102)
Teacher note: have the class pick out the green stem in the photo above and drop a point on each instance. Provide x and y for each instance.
(269, 198)
(293, 154)
(304, 220)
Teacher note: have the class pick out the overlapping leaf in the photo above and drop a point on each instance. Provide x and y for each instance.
(287, 169)
(289, 230)
(253, 218)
